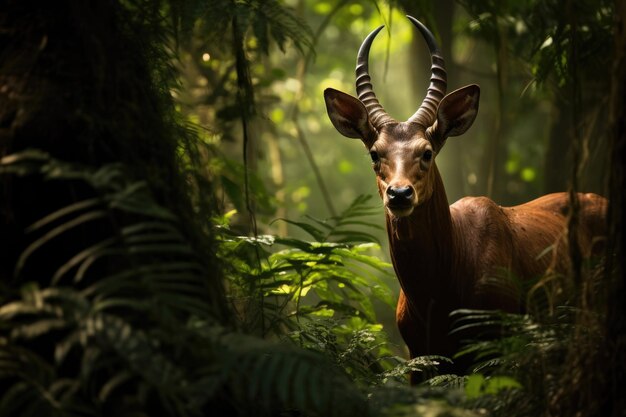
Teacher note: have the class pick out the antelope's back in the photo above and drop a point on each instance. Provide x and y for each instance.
(541, 230)
(591, 214)
(522, 242)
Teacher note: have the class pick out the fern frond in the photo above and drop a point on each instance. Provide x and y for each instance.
(137, 321)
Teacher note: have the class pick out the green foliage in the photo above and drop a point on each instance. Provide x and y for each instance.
(544, 31)
(477, 385)
(223, 47)
(264, 18)
(519, 358)
(317, 293)
(334, 269)
(127, 324)
(558, 55)
(236, 35)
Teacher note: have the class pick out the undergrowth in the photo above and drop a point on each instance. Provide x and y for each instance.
(125, 323)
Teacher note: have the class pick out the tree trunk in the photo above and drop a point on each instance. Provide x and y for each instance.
(558, 164)
(77, 81)
(615, 361)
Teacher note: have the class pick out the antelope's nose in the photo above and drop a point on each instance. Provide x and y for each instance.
(399, 194)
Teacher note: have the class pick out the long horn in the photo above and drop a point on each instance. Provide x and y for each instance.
(427, 112)
(378, 115)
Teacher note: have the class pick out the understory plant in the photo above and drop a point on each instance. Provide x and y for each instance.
(125, 324)
(320, 294)
(111, 312)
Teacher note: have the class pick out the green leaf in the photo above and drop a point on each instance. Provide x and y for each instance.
(474, 386)
(477, 385)
(316, 233)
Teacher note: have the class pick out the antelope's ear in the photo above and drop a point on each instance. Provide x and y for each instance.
(457, 112)
(348, 115)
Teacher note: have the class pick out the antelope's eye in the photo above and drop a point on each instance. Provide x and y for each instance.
(374, 156)
(428, 155)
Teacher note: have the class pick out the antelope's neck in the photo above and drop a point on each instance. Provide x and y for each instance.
(422, 247)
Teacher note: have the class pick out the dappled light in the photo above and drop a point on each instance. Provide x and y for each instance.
(213, 208)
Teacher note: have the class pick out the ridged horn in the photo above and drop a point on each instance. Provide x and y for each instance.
(378, 116)
(427, 112)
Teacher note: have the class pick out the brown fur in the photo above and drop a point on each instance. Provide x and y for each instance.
(444, 257)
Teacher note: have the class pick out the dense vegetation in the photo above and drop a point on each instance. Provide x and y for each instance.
(172, 243)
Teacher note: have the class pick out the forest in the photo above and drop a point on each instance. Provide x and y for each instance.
(183, 231)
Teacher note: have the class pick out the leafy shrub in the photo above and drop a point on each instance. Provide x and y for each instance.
(123, 324)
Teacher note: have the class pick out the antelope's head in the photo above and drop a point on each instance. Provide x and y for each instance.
(403, 153)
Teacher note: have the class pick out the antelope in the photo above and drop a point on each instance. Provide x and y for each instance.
(446, 257)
